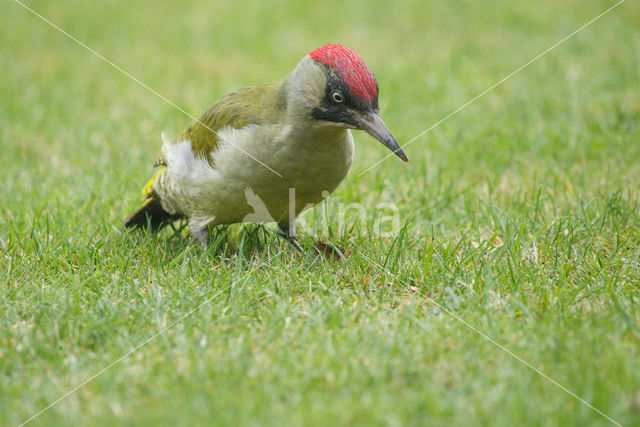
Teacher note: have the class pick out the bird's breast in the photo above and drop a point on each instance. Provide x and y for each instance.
(314, 163)
(307, 164)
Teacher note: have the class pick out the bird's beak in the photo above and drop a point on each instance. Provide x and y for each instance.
(372, 124)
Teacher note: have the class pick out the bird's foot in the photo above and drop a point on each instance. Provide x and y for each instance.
(291, 238)
(328, 250)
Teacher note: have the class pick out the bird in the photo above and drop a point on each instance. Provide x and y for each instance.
(267, 152)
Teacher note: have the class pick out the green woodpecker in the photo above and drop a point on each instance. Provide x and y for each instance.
(267, 152)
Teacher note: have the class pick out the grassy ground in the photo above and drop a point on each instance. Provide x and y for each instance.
(519, 215)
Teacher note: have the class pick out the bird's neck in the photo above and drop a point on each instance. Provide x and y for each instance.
(302, 89)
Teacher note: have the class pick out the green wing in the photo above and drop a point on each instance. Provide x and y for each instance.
(259, 104)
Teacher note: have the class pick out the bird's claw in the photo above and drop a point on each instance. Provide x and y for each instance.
(291, 238)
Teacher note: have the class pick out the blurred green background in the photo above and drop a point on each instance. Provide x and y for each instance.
(520, 215)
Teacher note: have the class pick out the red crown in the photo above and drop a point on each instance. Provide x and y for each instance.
(350, 67)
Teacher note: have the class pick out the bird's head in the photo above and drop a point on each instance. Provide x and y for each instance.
(333, 86)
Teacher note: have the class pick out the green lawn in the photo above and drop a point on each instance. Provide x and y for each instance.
(518, 215)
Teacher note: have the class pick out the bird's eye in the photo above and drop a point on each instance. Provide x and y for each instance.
(337, 97)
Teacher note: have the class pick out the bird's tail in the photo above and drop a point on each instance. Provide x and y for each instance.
(151, 214)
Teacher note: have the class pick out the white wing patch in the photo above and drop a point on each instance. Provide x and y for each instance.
(183, 163)
(203, 189)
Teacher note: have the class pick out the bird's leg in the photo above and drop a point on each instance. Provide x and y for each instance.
(201, 237)
(199, 233)
(287, 229)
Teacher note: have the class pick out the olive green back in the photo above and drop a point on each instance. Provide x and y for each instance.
(259, 104)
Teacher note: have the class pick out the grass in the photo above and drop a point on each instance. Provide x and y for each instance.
(519, 214)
